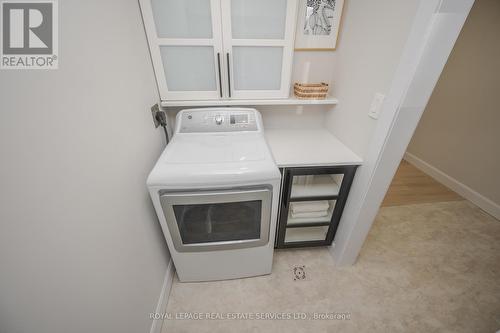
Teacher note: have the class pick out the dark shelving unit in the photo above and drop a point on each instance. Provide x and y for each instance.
(315, 231)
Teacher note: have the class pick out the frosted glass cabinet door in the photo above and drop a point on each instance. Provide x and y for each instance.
(258, 45)
(257, 67)
(182, 19)
(189, 68)
(258, 19)
(186, 47)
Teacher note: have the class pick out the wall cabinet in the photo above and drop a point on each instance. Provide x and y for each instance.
(312, 201)
(221, 49)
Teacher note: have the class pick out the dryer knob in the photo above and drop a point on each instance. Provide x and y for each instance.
(219, 119)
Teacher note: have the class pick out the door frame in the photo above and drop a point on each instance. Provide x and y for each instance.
(435, 30)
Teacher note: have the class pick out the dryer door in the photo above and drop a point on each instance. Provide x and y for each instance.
(218, 220)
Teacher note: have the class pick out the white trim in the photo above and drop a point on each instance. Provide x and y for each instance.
(259, 42)
(430, 42)
(161, 307)
(476, 198)
(227, 102)
(185, 42)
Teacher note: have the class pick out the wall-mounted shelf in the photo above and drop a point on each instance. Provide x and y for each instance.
(242, 102)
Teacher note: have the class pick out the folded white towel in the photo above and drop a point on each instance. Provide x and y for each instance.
(309, 214)
(309, 206)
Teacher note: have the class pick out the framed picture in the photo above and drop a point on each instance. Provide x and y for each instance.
(318, 25)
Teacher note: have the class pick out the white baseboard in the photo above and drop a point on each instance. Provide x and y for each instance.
(161, 307)
(476, 198)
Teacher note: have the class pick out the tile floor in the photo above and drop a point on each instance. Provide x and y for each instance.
(424, 268)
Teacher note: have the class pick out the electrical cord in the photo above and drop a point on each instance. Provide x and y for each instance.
(166, 133)
(161, 117)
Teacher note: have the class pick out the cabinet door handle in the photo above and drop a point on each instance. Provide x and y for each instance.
(220, 75)
(228, 74)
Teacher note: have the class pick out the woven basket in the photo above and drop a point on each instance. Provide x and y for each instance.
(310, 90)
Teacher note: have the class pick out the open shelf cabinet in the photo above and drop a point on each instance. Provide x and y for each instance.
(312, 201)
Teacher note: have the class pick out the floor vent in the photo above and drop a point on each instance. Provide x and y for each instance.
(299, 273)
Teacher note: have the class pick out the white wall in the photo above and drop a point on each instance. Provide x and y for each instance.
(293, 117)
(371, 40)
(80, 246)
(313, 66)
(308, 67)
(458, 133)
(278, 116)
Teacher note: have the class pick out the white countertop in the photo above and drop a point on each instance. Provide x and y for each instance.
(308, 147)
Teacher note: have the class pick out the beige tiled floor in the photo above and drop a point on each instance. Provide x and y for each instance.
(424, 268)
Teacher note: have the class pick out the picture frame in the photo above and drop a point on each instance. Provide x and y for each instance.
(318, 25)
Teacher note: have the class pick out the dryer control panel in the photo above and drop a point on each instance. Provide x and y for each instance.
(218, 120)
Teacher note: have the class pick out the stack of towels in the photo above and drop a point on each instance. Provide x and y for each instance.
(309, 209)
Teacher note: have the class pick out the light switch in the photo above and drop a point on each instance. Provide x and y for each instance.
(376, 106)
